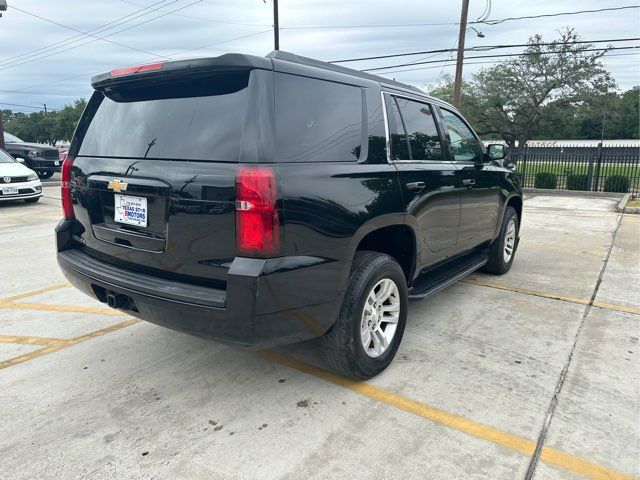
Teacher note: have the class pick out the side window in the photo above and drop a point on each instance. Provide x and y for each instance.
(464, 145)
(399, 144)
(421, 130)
(317, 120)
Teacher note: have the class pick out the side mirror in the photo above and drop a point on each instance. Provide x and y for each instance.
(496, 151)
(19, 160)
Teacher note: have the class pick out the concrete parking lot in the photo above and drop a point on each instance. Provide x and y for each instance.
(535, 374)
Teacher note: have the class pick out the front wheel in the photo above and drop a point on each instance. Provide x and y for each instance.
(32, 200)
(503, 249)
(45, 175)
(366, 336)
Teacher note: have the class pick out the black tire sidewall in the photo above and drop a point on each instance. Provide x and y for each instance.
(377, 271)
(509, 214)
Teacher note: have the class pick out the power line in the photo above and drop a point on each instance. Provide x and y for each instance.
(528, 17)
(87, 33)
(482, 48)
(26, 106)
(18, 92)
(497, 56)
(68, 40)
(218, 43)
(84, 75)
(100, 38)
(483, 62)
(205, 19)
(490, 22)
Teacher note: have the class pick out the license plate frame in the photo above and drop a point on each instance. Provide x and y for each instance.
(10, 191)
(130, 210)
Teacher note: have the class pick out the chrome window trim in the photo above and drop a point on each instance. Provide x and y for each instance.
(386, 127)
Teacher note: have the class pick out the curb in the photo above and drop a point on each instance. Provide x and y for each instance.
(572, 193)
(623, 203)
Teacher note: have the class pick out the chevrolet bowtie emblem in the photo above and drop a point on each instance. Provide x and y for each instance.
(117, 185)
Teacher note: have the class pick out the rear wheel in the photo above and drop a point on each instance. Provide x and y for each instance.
(503, 249)
(366, 336)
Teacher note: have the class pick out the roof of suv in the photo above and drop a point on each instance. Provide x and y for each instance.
(237, 60)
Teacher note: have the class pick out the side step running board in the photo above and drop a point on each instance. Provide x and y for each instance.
(434, 280)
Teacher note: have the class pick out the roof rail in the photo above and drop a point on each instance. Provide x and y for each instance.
(293, 58)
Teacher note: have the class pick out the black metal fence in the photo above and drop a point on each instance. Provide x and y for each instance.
(599, 169)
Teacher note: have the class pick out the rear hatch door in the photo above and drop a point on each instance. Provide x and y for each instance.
(155, 170)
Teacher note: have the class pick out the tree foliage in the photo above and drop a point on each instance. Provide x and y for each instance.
(518, 99)
(37, 127)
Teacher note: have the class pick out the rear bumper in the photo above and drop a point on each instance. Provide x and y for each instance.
(262, 304)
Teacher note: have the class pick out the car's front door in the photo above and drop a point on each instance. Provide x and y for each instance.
(479, 182)
(428, 180)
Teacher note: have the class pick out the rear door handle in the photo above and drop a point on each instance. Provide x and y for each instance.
(468, 182)
(416, 185)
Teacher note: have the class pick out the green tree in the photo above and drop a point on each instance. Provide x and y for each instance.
(508, 99)
(51, 128)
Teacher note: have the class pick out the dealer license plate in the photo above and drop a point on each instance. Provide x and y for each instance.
(9, 190)
(130, 210)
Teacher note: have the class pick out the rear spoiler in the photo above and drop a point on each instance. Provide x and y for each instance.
(229, 61)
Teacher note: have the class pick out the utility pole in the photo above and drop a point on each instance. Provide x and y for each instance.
(457, 87)
(1, 131)
(3, 8)
(276, 26)
(45, 109)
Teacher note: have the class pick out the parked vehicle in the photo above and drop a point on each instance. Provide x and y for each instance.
(260, 201)
(42, 159)
(17, 182)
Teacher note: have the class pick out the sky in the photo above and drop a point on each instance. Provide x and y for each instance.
(52, 63)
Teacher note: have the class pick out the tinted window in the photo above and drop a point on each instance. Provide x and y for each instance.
(421, 130)
(194, 119)
(8, 138)
(317, 121)
(465, 146)
(399, 145)
(5, 157)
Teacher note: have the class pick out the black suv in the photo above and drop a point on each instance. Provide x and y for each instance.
(261, 201)
(42, 159)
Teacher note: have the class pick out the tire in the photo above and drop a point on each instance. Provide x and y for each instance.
(498, 263)
(32, 200)
(45, 175)
(343, 343)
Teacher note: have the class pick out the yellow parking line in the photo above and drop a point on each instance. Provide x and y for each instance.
(36, 292)
(32, 340)
(553, 296)
(479, 430)
(60, 308)
(70, 342)
(620, 308)
(557, 248)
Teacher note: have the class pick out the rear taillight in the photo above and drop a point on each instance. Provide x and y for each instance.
(67, 203)
(257, 222)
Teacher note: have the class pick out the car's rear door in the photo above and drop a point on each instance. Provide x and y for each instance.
(428, 180)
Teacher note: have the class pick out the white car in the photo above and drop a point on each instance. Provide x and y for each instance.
(18, 182)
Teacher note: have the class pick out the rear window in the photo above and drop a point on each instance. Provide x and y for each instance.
(192, 119)
(317, 121)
